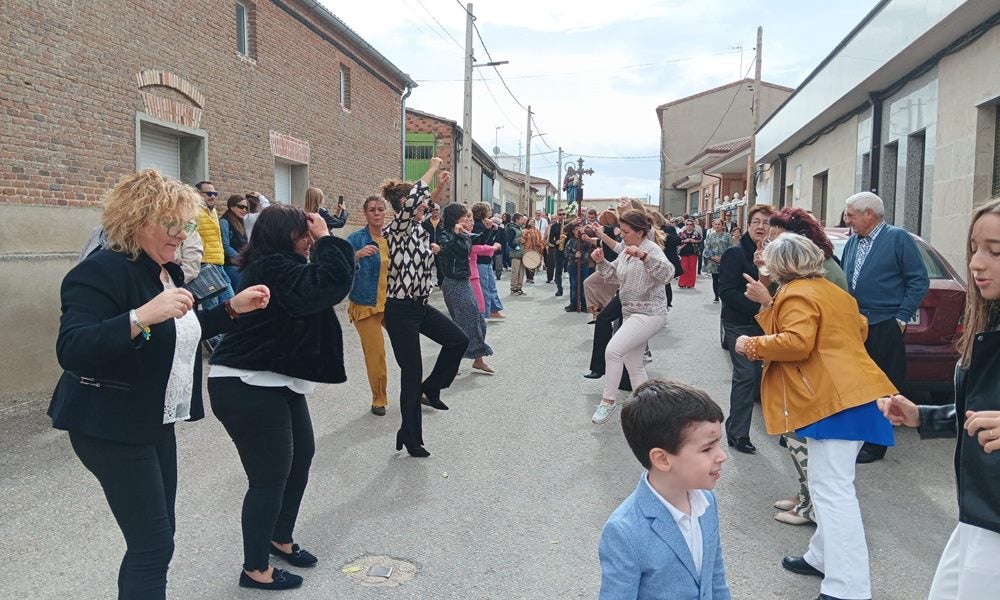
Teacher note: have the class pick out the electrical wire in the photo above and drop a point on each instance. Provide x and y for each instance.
(731, 102)
(459, 44)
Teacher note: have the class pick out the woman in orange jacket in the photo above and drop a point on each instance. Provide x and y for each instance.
(803, 389)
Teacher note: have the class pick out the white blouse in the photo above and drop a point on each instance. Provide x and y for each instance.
(180, 384)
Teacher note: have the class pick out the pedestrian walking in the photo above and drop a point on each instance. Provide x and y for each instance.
(688, 251)
(641, 270)
(889, 280)
(407, 313)
(262, 372)
(128, 344)
(812, 335)
(967, 568)
(366, 306)
(716, 243)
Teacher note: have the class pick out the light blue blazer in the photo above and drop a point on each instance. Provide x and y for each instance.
(644, 555)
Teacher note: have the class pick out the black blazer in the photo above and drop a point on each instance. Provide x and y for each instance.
(113, 387)
(737, 309)
(298, 333)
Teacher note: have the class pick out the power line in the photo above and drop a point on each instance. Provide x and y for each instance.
(490, 58)
(731, 102)
(460, 45)
(590, 72)
(500, 108)
(428, 26)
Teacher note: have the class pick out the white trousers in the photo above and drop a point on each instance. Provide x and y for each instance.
(625, 351)
(968, 566)
(838, 548)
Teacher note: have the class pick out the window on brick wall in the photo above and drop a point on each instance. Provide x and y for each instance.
(345, 86)
(242, 29)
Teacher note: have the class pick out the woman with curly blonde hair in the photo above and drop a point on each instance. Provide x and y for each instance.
(128, 344)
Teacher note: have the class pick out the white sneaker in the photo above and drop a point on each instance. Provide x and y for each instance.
(647, 357)
(603, 413)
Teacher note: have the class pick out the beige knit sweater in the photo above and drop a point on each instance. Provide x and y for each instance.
(641, 284)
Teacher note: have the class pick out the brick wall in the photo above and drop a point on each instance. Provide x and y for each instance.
(69, 95)
(445, 132)
(75, 76)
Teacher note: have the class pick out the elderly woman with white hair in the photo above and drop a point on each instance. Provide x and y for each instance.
(803, 390)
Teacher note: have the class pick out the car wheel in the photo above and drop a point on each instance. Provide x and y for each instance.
(722, 336)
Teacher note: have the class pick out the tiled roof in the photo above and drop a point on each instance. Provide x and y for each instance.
(720, 88)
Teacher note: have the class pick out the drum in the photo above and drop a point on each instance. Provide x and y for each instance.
(532, 259)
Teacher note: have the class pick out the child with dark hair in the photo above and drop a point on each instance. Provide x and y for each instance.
(663, 540)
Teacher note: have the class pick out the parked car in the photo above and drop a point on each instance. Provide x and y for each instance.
(931, 334)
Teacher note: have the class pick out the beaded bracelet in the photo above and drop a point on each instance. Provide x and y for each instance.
(143, 329)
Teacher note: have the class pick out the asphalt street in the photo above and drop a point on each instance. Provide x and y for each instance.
(509, 505)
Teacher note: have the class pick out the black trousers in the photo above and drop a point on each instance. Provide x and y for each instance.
(273, 434)
(405, 321)
(603, 331)
(140, 485)
(885, 347)
(715, 285)
(745, 390)
(557, 260)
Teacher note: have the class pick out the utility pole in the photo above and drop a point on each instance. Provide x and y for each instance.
(559, 177)
(751, 195)
(465, 158)
(527, 167)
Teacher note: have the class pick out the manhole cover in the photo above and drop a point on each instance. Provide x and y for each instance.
(357, 570)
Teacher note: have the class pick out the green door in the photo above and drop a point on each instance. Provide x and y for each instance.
(420, 148)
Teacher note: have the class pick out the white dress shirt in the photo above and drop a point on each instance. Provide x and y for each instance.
(689, 524)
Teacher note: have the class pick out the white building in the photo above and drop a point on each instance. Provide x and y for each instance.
(905, 106)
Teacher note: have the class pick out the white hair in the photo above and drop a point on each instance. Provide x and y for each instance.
(863, 201)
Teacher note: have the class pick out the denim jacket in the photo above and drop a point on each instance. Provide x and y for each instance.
(365, 288)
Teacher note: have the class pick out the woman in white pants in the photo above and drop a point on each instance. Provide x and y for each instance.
(641, 272)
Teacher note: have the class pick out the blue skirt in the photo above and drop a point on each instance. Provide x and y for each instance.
(864, 423)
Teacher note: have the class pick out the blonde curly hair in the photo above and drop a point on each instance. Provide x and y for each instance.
(140, 200)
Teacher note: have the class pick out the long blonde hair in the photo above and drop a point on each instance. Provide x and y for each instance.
(980, 314)
(314, 198)
(140, 200)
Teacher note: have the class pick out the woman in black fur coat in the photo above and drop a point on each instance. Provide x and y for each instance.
(262, 372)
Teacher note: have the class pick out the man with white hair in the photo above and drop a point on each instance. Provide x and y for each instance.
(887, 277)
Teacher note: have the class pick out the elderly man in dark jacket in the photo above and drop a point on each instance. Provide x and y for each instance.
(738, 319)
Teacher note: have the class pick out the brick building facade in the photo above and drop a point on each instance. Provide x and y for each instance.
(272, 95)
(429, 135)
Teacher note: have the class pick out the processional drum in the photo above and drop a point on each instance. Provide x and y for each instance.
(532, 259)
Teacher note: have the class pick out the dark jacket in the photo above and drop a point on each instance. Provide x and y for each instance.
(893, 281)
(737, 260)
(433, 230)
(113, 387)
(298, 333)
(487, 237)
(333, 222)
(454, 254)
(976, 388)
(670, 243)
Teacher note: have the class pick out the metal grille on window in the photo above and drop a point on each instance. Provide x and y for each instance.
(419, 152)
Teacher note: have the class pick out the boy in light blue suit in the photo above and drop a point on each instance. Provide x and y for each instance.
(663, 541)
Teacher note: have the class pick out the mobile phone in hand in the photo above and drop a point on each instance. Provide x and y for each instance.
(340, 200)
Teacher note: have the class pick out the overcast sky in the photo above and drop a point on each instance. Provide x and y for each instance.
(593, 71)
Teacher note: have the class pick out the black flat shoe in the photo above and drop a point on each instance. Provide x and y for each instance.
(433, 402)
(870, 453)
(558, 292)
(378, 410)
(799, 566)
(297, 557)
(593, 375)
(742, 444)
(280, 580)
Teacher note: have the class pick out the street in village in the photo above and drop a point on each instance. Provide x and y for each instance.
(509, 505)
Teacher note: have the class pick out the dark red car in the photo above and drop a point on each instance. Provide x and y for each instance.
(930, 336)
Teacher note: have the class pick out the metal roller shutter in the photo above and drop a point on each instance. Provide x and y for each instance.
(160, 151)
(283, 183)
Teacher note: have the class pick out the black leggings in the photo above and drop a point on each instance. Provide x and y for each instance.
(140, 485)
(274, 436)
(715, 285)
(670, 295)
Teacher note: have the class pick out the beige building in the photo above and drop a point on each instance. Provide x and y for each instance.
(912, 117)
(690, 125)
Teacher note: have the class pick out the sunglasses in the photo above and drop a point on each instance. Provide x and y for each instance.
(174, 228)
(241, 206)
(211, 194)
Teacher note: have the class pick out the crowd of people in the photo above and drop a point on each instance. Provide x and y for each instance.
(253, 289)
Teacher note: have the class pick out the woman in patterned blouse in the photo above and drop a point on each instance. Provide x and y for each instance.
(407, 313)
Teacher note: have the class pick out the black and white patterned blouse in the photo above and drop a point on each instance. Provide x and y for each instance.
(410, 257)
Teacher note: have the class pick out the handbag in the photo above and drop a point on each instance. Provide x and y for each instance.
(208, 284)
